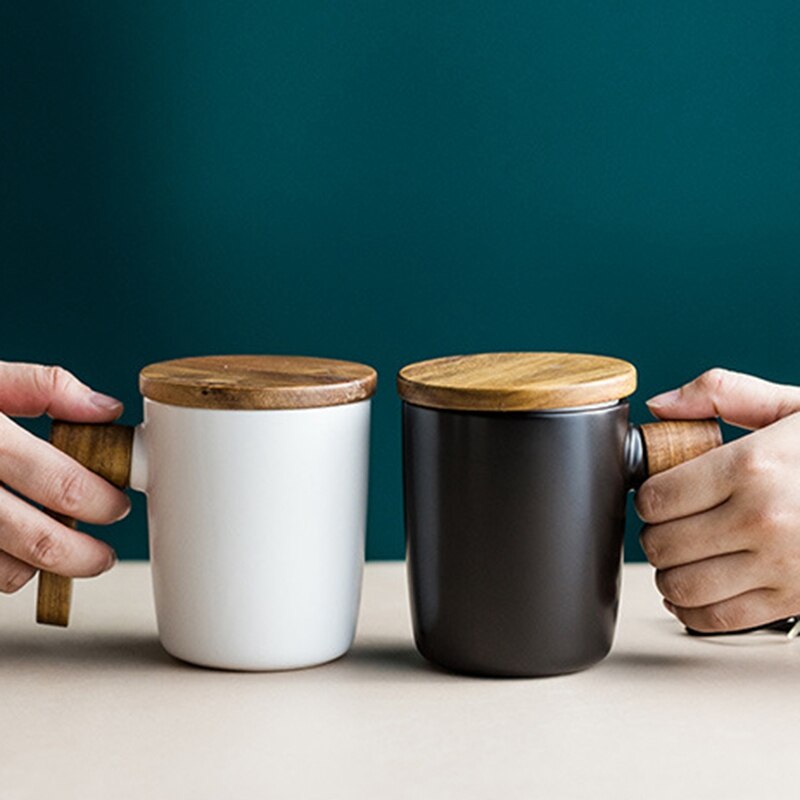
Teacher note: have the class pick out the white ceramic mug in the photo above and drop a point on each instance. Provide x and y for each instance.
(256, 523)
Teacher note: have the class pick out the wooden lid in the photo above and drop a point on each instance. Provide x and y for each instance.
(516, 381)
(250, 382)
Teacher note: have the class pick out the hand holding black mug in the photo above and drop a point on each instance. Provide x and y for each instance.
(516, 468)
(724, 530)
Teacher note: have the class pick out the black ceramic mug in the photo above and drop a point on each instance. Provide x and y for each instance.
(516, 470)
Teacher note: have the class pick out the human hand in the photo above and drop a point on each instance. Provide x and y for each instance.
(723, 530)
(38, 472)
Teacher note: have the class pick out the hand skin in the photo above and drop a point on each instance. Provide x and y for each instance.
(723, 530)
(37, 472)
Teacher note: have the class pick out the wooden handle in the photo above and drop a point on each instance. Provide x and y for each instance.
(106, 450)
(668, 444)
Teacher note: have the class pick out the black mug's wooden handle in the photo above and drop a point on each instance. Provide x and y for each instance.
(668, 444)
(106, 450)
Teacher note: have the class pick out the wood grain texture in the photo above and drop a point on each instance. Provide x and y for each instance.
(668, 444)
(257, 382)
(106, 450)
(516, 381)
(54, 597)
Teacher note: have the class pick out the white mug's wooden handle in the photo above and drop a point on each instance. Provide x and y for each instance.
(106, 450)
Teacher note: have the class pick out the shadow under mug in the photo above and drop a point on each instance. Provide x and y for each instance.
(515, 524)
(256, 516)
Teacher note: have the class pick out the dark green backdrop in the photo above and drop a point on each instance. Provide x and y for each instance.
(388, 181)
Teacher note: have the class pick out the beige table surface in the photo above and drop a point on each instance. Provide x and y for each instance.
(99, 711)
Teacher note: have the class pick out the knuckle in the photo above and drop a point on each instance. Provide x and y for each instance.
(754, 463)
(649, 501)
(68, 491)
(712, 379)
(674, 586)
(45, 549)
(50, 378)
(721, 617)
(772, 521)
(766, 520)
(47, 378)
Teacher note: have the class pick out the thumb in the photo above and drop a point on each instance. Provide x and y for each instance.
(30, 390)
(736, 398)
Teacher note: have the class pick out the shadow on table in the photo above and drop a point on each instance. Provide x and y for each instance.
(379, 660)
(398, 659)
(737, 657)
(391, 659)
(90, 653)
(652, 661)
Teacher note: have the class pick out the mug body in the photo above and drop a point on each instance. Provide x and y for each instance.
(256, 525)
(515, 524)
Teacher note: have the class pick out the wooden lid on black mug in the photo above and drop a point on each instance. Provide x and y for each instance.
(257, 382)
(516, 381)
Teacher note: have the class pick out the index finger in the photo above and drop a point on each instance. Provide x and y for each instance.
(30, 390)
(689, 488)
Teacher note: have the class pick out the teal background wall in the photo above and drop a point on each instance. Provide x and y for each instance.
(388, 181)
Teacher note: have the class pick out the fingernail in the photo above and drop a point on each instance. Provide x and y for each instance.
(111, 561)
(126, 511)
(104, 401)
(663, 399)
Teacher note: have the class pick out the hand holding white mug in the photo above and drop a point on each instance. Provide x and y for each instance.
(723, 530)
(38, 472)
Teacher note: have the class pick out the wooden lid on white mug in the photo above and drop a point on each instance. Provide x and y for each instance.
(257, 382)
(516, 381)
